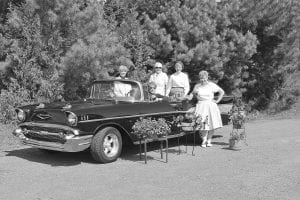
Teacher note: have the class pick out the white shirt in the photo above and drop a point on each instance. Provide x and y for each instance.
(161, 81)
(179, 80)
(206, 92)
(122, 89)
(119, 77)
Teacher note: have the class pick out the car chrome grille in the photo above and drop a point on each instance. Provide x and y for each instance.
(45, 134)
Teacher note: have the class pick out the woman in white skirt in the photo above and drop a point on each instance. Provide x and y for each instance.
(207, 106)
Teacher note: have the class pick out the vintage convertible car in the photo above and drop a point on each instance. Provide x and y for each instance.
(102, 122)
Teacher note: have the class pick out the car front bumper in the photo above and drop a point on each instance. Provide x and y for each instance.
(71, 143)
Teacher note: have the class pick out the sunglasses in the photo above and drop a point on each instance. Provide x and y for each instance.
(158, 68)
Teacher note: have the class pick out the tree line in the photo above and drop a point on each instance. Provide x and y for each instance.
(58, 47)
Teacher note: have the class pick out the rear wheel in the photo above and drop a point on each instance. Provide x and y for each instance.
(106, 145)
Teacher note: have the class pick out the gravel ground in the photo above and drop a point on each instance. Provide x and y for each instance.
(268, 168)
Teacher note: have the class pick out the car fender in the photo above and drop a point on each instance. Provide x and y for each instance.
(118, 126)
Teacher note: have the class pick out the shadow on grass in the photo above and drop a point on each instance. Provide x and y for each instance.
(132, 152)
(220, 143)
(227, 148)
(129, 152)
(54, 159)
(217, 136)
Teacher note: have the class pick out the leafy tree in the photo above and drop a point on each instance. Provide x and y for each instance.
(96, 53)
(276, 24)
(202, 35)
(4, 7)
(32, 59)
(132, 35)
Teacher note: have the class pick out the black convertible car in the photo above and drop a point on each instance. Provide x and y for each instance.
(102, 122)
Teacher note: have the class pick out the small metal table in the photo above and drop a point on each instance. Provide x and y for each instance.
(165, 139)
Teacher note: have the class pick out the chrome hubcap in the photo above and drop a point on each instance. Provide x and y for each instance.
(110, 145)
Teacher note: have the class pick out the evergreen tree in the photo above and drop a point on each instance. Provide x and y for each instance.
(132, 35)
(276, 24)
(202, 35)
(33, 58)
(97, 52)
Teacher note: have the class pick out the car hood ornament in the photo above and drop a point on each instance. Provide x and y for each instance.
(43, 116)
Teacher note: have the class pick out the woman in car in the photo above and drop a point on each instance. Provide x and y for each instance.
(122, 89)
(122, 72)
(152, 95)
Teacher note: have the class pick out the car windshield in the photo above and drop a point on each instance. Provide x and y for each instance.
(116, 89)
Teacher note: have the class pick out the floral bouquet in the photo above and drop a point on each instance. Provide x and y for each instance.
(235, 135)
(238, 118)
(238, 114)
(150, 128)
(190, 122)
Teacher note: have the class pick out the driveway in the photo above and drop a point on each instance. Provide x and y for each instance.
(268, 168)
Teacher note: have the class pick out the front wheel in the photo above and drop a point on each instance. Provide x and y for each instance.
(106, 145)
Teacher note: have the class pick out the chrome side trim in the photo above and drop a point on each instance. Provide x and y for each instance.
(131, 116)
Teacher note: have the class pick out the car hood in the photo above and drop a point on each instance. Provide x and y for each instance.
(55, 112)
(74, 105)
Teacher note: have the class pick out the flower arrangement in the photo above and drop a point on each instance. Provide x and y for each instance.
(238, 118)
(150, 128)
(235, 135)
(190, 122)
(238, 114)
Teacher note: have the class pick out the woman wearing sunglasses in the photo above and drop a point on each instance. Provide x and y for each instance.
(160, 79)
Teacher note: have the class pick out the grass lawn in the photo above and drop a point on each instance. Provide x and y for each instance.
(7, 140)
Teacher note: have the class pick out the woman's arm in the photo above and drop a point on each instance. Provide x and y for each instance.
(151, 78)
(169, 85)
(221, 94)
(166, 80)
(186, 84)
(191, 95)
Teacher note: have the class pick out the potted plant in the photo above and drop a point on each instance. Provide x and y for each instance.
(238, 118)
(190, 122)
(235, 137)
(145, 128)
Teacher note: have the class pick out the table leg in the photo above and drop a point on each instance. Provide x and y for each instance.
(178, 143)
(145, 149)
(186, 144)
(140, 149)
(167, 149)
(161, 149)
(194, 143)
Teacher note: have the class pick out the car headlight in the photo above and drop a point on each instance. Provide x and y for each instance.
(72, 118)
(21, 115)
